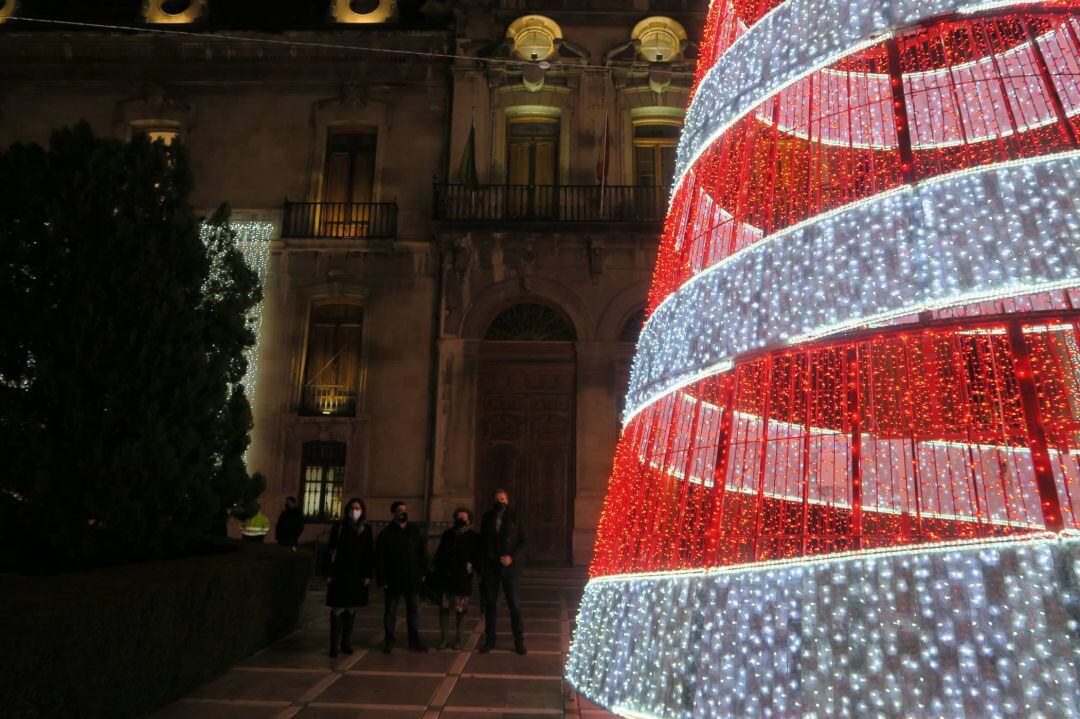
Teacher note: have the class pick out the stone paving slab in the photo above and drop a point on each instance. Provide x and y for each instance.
(295, 679)
(382, 689)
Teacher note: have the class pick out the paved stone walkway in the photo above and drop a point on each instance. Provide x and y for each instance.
(295, 678)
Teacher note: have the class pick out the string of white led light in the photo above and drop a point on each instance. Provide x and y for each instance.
(793, 40)
(252, 239)
(970, 629)
(995, 231)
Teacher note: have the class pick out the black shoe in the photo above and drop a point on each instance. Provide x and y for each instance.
(485, 648)
(519, 647)
(387, 647)
(418, 647)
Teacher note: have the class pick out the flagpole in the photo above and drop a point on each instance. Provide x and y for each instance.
(604, 159)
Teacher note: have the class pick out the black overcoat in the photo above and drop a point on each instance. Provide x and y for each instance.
(290, 525)
(508, 539)
(350, 560)
(456, 551)
(401, 558)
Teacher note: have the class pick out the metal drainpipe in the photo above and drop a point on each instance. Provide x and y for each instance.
(436, 317)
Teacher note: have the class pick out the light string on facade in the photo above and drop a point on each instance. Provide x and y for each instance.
(261, 40)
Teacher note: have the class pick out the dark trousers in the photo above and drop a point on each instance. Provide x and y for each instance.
(492, 580)
(412, 611)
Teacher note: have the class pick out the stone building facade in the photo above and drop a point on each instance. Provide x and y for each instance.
(463, 201)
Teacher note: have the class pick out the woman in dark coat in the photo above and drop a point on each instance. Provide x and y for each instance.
(456, 560)
(349, 569)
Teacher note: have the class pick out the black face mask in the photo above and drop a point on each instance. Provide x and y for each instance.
(500, 506)
(459, 522)
(402, 517)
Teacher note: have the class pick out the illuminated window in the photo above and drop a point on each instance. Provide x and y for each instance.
(332, 361)
(323, 478)
(534, 37)
(660, 39)
(350, 166)
(167, 136)
(363, 11)
(654, 153)
(172, 11)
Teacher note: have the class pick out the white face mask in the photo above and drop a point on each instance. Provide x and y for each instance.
(356, 515)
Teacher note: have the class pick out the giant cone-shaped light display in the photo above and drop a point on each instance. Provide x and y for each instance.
(848, 483)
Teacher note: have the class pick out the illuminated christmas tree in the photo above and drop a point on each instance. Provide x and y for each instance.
(845, 483)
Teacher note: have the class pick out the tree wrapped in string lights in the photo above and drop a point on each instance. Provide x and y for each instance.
(845, 483)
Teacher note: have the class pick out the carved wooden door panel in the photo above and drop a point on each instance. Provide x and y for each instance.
(525, 444)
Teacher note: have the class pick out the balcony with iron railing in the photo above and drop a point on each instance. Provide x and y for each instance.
(340, 220)
(328, 400)
(549, 203)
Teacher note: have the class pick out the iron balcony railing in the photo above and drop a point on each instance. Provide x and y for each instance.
(328, 400)
(553, 203)
(344, 220)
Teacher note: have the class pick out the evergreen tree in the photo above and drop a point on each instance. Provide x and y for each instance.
(123, 422)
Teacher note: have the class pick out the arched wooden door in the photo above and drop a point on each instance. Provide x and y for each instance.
(525, 432)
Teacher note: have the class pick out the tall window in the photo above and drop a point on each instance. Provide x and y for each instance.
(350, 166)
(332, 363)
(532, 165)
(654, 154)
(323, 478)
(533, 156)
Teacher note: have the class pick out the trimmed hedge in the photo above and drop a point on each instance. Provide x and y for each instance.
(123, 641)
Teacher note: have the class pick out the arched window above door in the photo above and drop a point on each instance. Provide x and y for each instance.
(530, 322)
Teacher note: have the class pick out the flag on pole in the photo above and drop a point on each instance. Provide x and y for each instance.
(602, 162)
(467, 167)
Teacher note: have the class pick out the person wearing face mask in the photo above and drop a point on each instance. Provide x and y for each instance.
(456, 560)
(400, 566)
(349, 569)
(502, 541)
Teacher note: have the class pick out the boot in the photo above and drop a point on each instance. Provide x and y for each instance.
(347, 619)
(458, 642)
(444, 629)
(335, 633)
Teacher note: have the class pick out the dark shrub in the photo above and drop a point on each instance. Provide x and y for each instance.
(116, 643)
(123, 423)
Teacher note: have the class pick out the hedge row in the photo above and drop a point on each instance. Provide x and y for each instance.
(122, 642)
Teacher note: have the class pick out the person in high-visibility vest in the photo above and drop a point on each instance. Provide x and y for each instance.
(256, 527)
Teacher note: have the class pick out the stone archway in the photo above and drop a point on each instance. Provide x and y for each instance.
(527, 397)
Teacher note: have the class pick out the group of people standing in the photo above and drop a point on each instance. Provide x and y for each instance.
(397, 561)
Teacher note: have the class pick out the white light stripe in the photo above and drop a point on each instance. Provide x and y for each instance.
(988, 232)
(792, 41)
(916, 631)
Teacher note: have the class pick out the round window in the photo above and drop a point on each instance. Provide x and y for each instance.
(363, 7)
(534, 37)
(534, 45)
(175, 7)
(659, 45)
(659, 39)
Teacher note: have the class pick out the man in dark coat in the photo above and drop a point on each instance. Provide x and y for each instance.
(502, 540)
(290, 524)
(400, 566)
